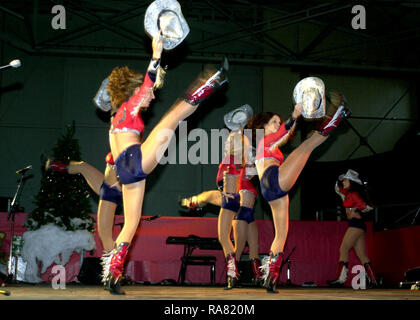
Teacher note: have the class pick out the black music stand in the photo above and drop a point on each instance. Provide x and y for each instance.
(11, 210)
(287, 260)
(197, 260)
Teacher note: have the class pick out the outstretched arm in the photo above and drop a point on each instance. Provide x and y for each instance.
(339, 191)
(135, 101)
(281, 137)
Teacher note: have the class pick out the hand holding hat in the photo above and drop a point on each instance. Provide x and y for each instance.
(311, 93)
(157, 45)
(238, 118)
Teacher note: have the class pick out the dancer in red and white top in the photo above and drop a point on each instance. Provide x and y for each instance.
(277, 176)
(135, 158)
(351, 190)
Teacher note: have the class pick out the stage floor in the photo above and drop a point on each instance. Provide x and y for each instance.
(159, 292)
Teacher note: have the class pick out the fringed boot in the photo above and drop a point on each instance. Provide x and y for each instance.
(232, 274)
(105, 263)
(341, 276)
(190, 203)
(116, 268)
(271, 271)
(256, 270)
(370, 275)
(330, 123)
(206, 84)
(57, 166)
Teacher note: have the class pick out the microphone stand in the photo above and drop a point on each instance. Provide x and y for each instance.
(287, 260)
(11, 278)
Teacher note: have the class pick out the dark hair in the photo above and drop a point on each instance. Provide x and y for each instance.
(361, 189)
(258, 121)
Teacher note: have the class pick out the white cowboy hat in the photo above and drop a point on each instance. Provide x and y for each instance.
(311, 93)
(166, 15)
(238, 118)
(102, 99)
(351, 175)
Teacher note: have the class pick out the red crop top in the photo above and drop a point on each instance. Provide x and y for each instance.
(268, 147)
(351, 199)
(128, 117)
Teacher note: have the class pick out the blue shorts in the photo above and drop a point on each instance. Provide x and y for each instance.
(357, 223)
(231, 204)
(111, 194)
(128, 165)
(269, 184)
(246, 214)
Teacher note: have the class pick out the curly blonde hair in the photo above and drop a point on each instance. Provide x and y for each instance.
(122, 83)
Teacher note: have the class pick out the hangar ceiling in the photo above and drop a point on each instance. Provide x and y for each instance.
(293, 33)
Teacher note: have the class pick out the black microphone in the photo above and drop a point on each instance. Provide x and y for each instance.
(22, 171)
(13, 64)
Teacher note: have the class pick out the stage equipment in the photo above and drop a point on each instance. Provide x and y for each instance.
(412, 213)
(288, 262)
(166, 16)
(11, 277)
(90, 271)
(5, 292)
(13, 64)
(411, 278)
(193, 242)
(21, 171)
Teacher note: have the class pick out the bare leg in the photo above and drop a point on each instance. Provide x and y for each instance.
(240, 233)
(93, 176)
(224, 230)
(106, 211)
(290, 170)
(348, 242)
(360, 249)
(241, 227)
(213, 197)
(280, 210)
(253, 240)
(133, 195)
(158, 140)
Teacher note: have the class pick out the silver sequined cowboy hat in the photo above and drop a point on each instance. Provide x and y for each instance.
(351, 175)
(238, 118)
(310, 92)
(166, 15)
(102, 99)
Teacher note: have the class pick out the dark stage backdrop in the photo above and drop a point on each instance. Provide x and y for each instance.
(392, 180)
(48, 92)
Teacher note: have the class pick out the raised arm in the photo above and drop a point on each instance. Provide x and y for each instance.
(339, 191)
(139, 95)
(282, 135)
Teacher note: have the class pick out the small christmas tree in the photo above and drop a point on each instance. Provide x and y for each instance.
(63, 199)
